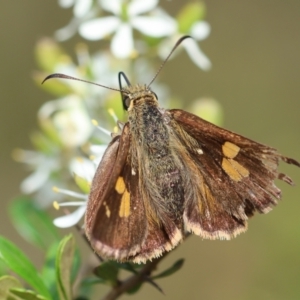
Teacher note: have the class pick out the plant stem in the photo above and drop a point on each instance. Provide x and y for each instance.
(131, 282)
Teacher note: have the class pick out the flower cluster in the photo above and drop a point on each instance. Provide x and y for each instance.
(122, 18)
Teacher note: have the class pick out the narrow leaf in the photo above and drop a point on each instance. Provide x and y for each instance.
(48, 271)
(32, 223)
(108, 271)
(135, 289)
(176, 266)
(64, 261)
(87, 285)
(76, 265)
(26, 294)
(18, 262)
(128, 267)
(6, 283)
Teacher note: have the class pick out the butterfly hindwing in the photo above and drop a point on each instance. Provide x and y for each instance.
(234, 177)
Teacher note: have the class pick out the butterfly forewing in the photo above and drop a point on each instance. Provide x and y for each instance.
(115, 205)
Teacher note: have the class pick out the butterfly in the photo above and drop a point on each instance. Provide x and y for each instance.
(168, 173)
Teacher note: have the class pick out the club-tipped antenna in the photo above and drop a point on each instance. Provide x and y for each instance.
(59, 75)
(122, 74)
(167, 58)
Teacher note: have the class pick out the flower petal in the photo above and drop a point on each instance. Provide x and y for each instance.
(70, 219)
(113, 6)
(68, 31)
(154, 26)
(137, 7)
(99, 28)
(70, 119)
(72, 203)
(122, 42)
(33, 182)
(44, 196)
(65, 3)
(83, 167)
(82, 7)
(37, 179)
(200, 30)
(196, 55)
(98, 152)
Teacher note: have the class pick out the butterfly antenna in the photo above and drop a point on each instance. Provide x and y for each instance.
(59, 75)
(122, 74)
(171, 52)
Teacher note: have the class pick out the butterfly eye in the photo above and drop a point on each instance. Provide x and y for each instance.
(126, 101)
(155, 95)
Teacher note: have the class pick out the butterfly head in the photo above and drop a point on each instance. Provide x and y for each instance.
(138, 95)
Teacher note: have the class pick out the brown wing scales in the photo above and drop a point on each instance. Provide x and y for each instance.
(114, 200)
(235, 177)
(117, 224)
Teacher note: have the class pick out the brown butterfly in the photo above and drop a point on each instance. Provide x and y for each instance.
(169, 173)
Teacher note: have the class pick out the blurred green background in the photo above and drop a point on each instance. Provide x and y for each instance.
(255, 50)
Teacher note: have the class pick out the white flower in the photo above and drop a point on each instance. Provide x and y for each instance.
(81, 7)
(84, 169)
(41, 174)
(73, 218)
(69, 118)
(199, 31)
(40, 180)
(123, 20)
(83, 10)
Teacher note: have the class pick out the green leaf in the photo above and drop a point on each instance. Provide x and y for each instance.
(49, 134)
(26, 294)
(176, 266)
(6, 283)
(86, 286)
(64, 261)
(189, 14)
(135, 289)
(108, 271)
(3, 268)
(208, 109)
(49, 273)
(82, 183)
(76, 265)
(128, 267)
(32, 223)
(48, 54)
(21, 265)
(43, 142)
